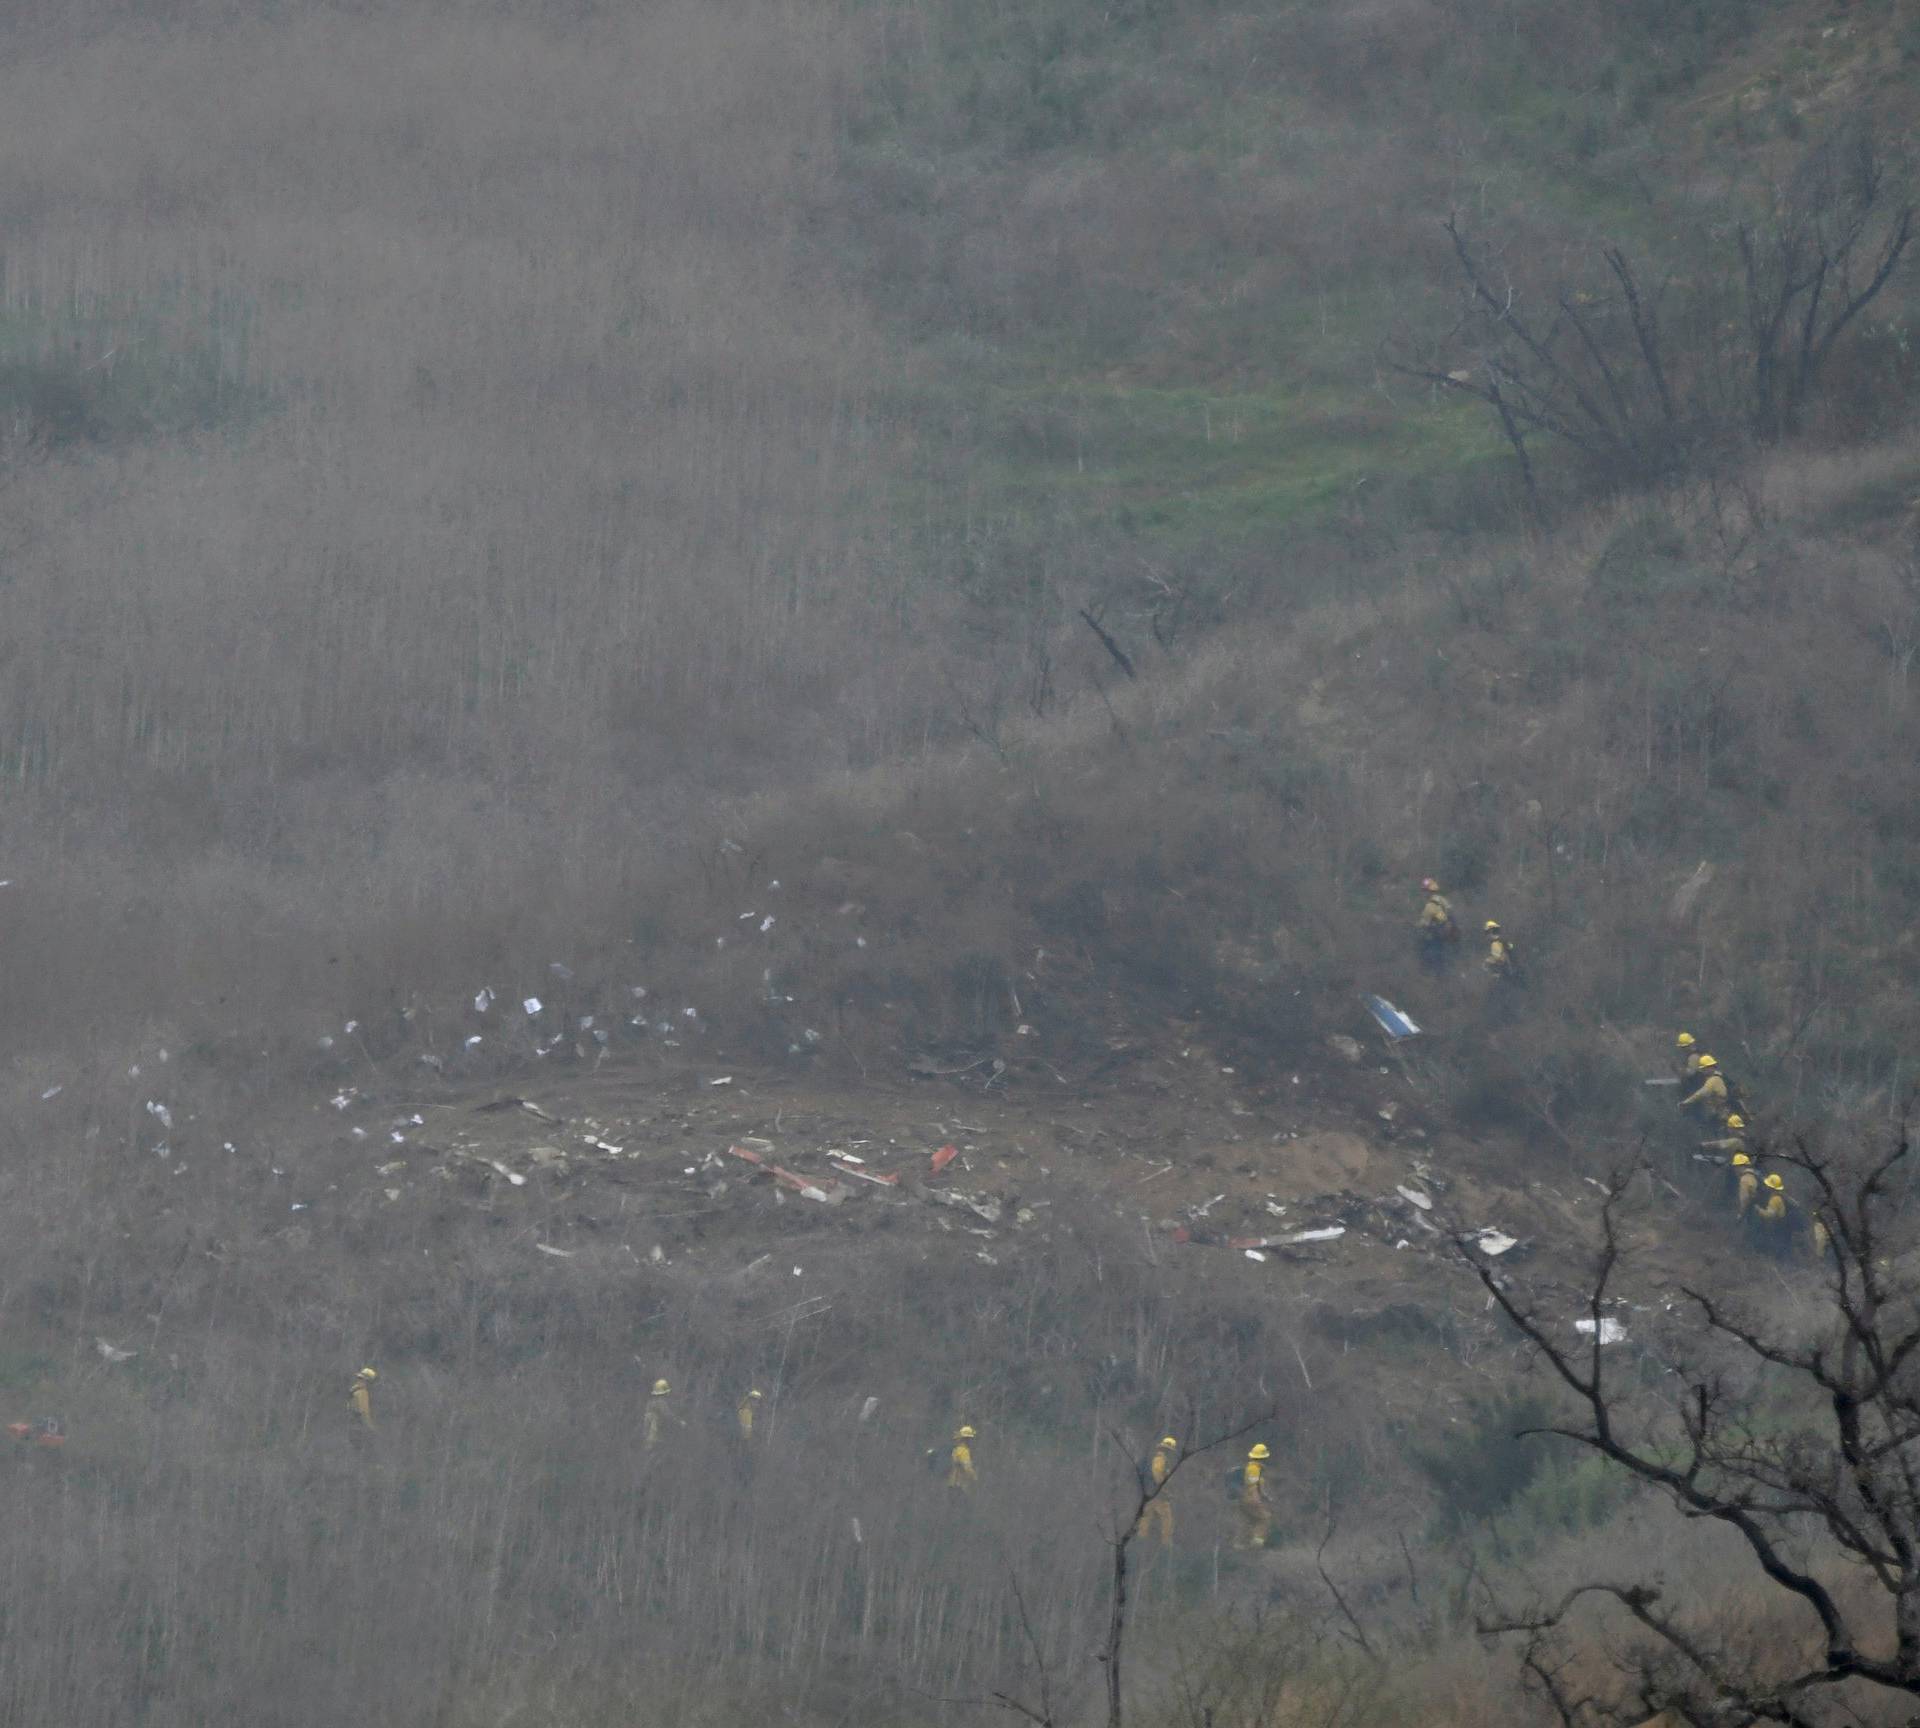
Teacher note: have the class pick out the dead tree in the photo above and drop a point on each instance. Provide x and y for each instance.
(1830, 239)
(1644, 368)
(1119, 1601)
(1835, 1496)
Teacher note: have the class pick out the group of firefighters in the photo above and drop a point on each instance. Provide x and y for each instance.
(1439, 933)
(1247, 1482)
(1761, 1204)
(1772, 1220)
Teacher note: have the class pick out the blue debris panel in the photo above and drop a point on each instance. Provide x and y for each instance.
(1395, 1024)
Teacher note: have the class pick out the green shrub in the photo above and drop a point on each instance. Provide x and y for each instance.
(1480, 1467)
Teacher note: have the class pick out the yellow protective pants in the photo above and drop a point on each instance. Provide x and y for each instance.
(1256, 1523)
(1157, 1515)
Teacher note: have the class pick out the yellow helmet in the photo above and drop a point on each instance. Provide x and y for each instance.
(1260, 1451)
(755, 1393)
(966, 1431)
(1169, 1444)
(1736, 1121)
(1493, 923)
(366, 1374)
(1685, 1041)
(661, 1388)
(1776, 1181)
(1708, 1062)
(1741, 1161)
(1428, 883)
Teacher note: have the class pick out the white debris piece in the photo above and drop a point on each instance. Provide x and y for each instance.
(563, 973)
(557, 1253)
(113, 1352)
(766, 924)
(1255, 1254)
(483, 1001)
(160, 1113)
(724, 1080)
(51, 1093)
(351, 1027)
(867, 1409)
(532, 1006)
(326, 1043)
(1495, 1242)
(1328, 1234)
(1414, 1197)
(1611, 1331)
(474, 1042)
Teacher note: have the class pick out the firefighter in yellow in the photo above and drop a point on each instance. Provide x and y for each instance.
(1708, 1101)
(1157, 1514)
(1741, 1177)
(1686, 1058)
(749, 1408)
(1437, 931)
(653, 1419)
(1256, 1516)
(1501, 963)
(360, 1401)
(1771, 1220)
(960, 1476)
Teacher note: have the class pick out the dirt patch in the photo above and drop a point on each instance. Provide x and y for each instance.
(1323, 1162)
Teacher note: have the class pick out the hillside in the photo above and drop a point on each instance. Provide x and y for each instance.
(591, 589)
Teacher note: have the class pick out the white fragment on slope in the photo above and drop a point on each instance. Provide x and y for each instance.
(563, 973)
(1325, 1235)
(1255, 1254)
(475, 1041)
(1414, 1197)
(1496, 1242)
(160, 1113)
(1611, 1331)
(483, 1001)
(557, 1253)
(532, 1006)
(766, 924)
(113, 1352)
(724, 1080)
(51, 1093)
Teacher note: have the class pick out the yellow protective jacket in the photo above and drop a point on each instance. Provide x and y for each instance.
(961, 1475)
(650, 1423)
(1773, 1209)
(1499, 961)
(745, 1413)
(1712, 1094)
(1436, 917)
(1251, 1491)
(1161, 1465)
(360, 1403)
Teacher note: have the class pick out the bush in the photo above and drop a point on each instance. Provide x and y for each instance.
(1479, 1468)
